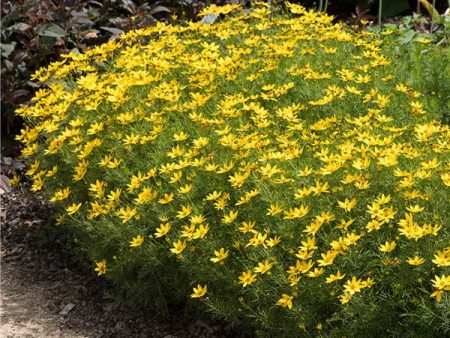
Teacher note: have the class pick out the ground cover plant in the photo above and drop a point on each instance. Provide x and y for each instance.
(278, 170)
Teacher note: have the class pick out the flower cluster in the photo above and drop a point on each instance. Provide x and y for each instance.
(277, 159)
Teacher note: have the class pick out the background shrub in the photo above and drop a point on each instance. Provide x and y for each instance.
(280, 170)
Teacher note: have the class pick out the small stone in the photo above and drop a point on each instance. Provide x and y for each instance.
(66, 309)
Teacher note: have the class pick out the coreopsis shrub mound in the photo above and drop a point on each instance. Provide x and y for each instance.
(273, 169)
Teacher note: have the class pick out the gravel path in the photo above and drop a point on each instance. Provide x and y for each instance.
(24, 309)
(45, 293)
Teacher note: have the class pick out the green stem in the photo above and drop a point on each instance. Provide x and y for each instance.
(320, 5)
(326, 6)
(432, 16)
(380, 7)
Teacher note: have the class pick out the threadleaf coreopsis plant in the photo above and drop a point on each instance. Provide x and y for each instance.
(272, 168)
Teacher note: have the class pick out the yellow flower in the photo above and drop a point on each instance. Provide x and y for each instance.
(213, 196)
(218, 10)
(352, 286)
(15, 180)
(316, 272)
(415, 208)
(176, 177)
(442, 258)
(136, 181)
(167, 198)
(238, 179)
(52, 172)
(220, 255)
(162, 230)
(441, 283)
(201, 231)
(320, 188)
(199, 291)
(298, 212)
(184, 212)
(268, 171)
(146, 195)
(257, 239)
(285, 301)
(416, 260)
(348, 205)
(178, 247)
(137, 241)
(80, 170)
(387, 246)
(101, 267)
(197, 219)
(73, 208)
(446, 179)
(271, 242)
(185, 189)
(417, 108)
(230, 218)
(95, 128)
(302, 193)
(247, 227)
(332, 278)
(127, 214)
(263, 267)
(180, 136)
(437, 294)
(274, 209)
(188, 231)
(345, 297)
(373, 225)
(247, 278)
(327, 258)
(114, 195)
(98, 188)
(60, 195)
(306, 171)
(368, 283)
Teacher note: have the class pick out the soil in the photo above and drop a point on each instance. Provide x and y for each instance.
(46, 293)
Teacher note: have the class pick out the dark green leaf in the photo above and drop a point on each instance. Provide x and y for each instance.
(393, 7)
(159, 9)
(128, 5)
(7, 48)
(20, 26)
(9, 65)
(365, 4)
(52, 30)
(112, 30)
(406, 36)
(46, 42)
